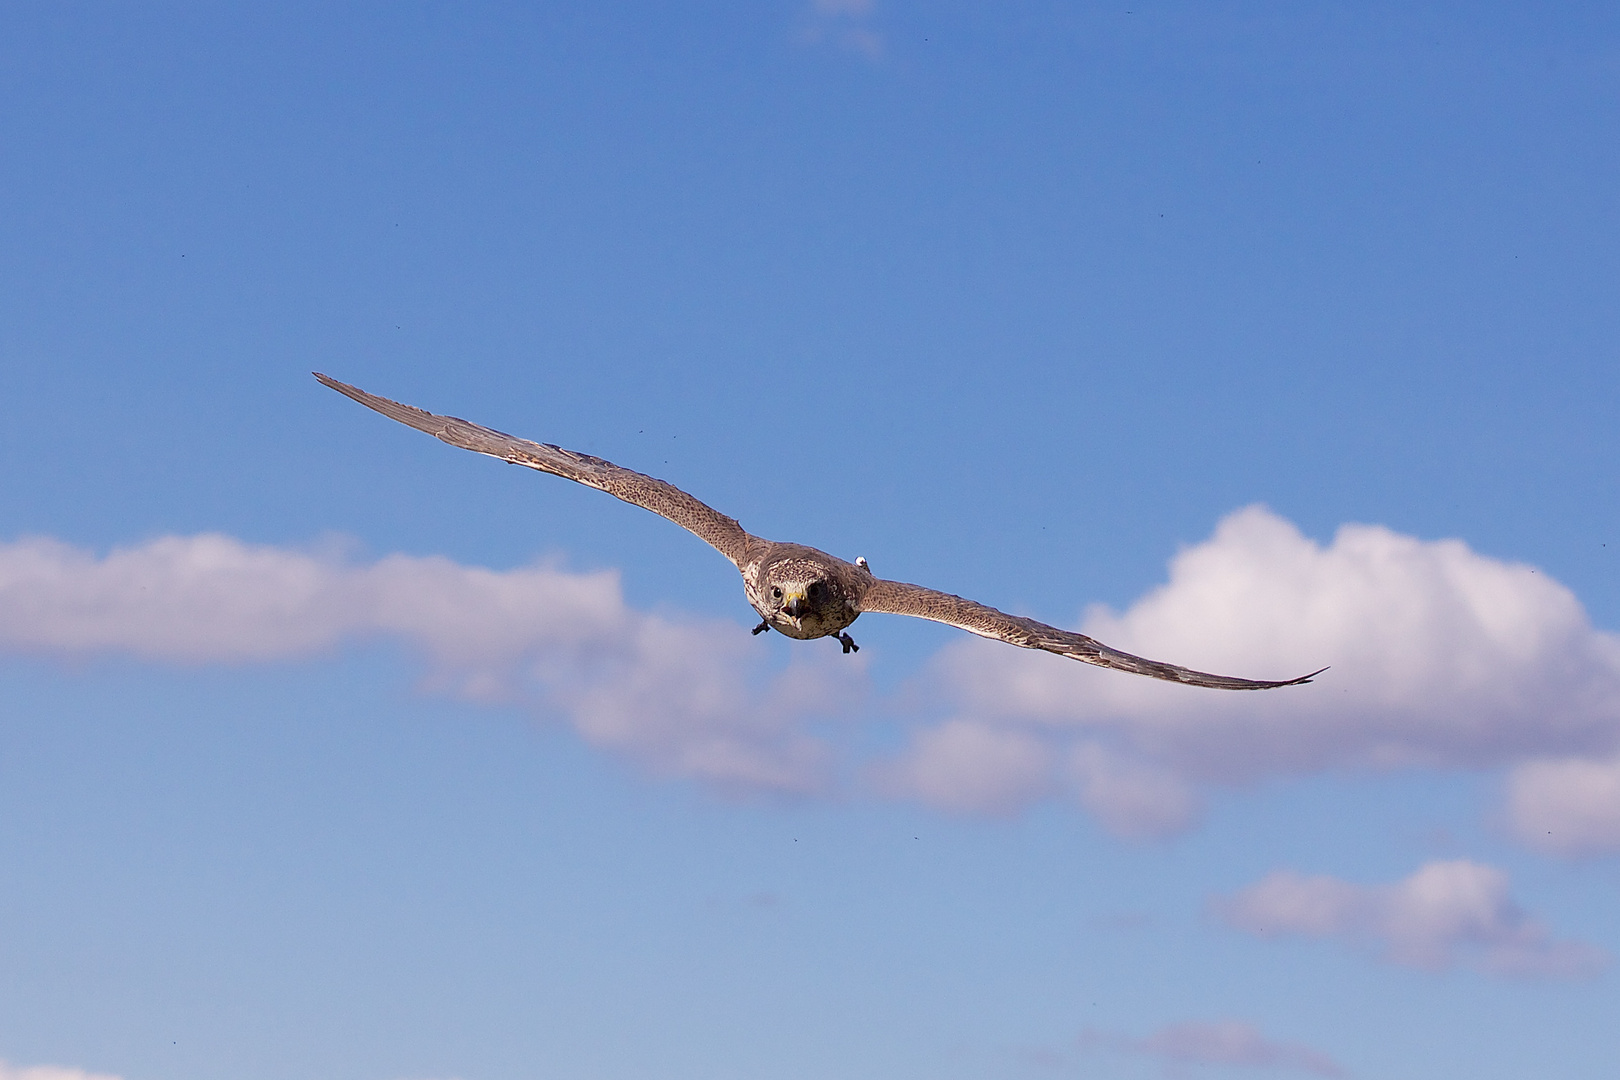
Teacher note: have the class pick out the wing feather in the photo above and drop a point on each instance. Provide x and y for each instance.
(898, 598)
(722, 532)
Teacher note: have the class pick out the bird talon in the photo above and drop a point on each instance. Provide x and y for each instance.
(848, 643)
(764, 625)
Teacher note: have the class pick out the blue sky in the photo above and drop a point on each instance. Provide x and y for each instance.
(1249, 336)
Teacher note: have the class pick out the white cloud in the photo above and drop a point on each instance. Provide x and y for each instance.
(1441, 657)
(687, 698)
(1220, 1042)
(1567, 806)
(1445, 914)
(49, 1072)
(211, 599)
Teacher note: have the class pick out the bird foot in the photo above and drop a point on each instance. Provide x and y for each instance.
(761, 628)
(848, 643)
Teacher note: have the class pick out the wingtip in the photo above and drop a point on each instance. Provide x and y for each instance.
(342, 387)
(1303, 679)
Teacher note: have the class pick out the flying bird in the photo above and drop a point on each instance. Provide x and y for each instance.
(797, 590)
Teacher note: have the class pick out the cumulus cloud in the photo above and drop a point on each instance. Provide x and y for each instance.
(688, 698)
(1441, 657)
(49, 1072)
(1446, 914)
(1220, 1042)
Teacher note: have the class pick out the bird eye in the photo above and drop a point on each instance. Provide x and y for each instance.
(814, 590)
(776, 591)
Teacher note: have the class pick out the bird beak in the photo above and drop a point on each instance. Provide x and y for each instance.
(794, 603)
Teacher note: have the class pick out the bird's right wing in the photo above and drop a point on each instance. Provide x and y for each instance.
(728, 537)
(898, 598)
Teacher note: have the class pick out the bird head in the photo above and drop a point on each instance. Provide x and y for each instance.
(802, 591)
(798, 598)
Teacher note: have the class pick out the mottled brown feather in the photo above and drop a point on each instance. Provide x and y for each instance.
(728, 537)
(898, 598)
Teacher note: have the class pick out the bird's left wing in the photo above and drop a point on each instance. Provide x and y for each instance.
(898, 598)
(722, 532)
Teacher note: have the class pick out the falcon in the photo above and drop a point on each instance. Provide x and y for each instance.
(797, 590)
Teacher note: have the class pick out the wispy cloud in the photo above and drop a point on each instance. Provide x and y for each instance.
(1442, 658)
(1567, 806)
(1446, 914)
(844, 24)
(1220, 1042)
(49, 1072)
(968, 767)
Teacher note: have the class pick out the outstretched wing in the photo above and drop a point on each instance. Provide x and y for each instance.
(722, 532)
(898, 598)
